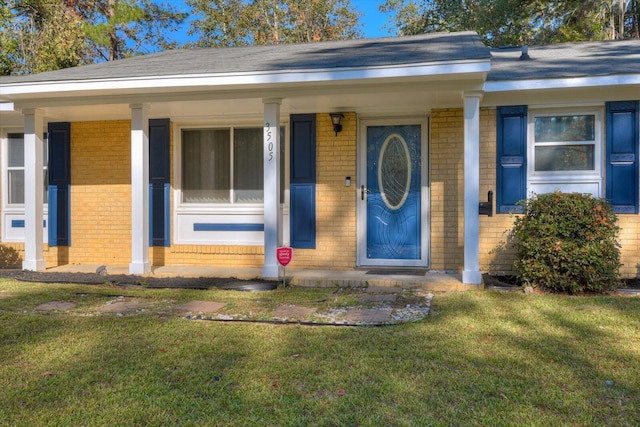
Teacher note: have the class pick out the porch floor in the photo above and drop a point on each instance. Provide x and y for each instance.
(427, 280)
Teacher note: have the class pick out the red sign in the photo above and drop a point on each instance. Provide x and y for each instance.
(284, 256)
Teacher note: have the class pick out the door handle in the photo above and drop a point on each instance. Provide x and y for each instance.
(363, 190)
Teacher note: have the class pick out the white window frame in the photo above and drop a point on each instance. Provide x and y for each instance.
(591, 182)
(187, 214)
(14, 211)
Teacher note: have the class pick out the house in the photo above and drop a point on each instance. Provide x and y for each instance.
(219, 156)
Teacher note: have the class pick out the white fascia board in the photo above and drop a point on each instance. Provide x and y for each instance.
(247, 78)
(564, 83)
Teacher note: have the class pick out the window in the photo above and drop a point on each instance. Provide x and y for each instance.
(544, 151)
(564, 143)
(225, 165)
(565, 149)
(15, 169)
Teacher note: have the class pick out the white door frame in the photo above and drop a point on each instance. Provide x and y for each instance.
(361, 205)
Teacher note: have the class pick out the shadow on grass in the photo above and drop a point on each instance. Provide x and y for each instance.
(480, 358)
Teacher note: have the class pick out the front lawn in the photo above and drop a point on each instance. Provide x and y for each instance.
(480, 358)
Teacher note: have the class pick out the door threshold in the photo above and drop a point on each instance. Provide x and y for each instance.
(396, 271)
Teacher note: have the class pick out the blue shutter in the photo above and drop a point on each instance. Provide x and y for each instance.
(59, 168)
(159, 182)
(622, 156)
(303, 181)
(512, 158)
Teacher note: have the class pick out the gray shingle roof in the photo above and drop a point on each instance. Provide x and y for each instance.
(389, 51)
(562, 60)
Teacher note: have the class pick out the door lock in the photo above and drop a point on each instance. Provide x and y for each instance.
(363, 190)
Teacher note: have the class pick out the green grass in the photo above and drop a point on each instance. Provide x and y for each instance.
(480, 358)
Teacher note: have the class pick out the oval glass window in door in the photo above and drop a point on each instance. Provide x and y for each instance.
(394, 171)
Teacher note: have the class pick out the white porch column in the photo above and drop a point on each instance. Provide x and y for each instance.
(139, 189)
(471, 273)
(33, 190)
(272, 214)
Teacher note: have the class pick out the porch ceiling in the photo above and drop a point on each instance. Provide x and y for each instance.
(398, 97)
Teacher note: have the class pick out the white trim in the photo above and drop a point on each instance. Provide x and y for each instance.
(33, 191)
(560, 83)
(361, 206)
(471, 273)
(250, 78)
(140, 263)
(271, 184)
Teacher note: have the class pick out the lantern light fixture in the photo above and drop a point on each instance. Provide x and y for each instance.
(336, 120)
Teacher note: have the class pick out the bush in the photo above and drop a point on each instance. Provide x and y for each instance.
(567, 243)
(9, 257)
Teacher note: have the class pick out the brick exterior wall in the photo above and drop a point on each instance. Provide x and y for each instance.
(101, 192)
(446, 158)
(101, 203)
(335, 203)
(447, 186)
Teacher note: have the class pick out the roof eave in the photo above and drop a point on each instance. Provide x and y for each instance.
(496, 86)
(244, 80)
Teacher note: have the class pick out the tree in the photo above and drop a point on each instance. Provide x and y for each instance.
(39, 35)
(8, 41)
(44, 35)
(512, 22)
(117, 29)
(247, 22)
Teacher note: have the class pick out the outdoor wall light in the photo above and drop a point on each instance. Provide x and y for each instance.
(336, 119)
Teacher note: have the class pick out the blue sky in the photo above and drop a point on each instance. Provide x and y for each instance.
(372, 20)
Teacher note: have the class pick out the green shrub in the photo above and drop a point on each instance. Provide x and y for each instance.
(9, 257)
(567, 243)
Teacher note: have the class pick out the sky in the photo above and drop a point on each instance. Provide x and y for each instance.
(372, 20)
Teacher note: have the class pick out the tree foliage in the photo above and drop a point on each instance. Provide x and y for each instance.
(116, 29)
(39, 35)
(513, 22)
(247, 22)
(45, 35)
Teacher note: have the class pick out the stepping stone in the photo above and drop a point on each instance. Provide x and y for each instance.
(369, 315)
(377, 298)
(383, 290)
(121, 307)
(200, 306)
(56, 305)
(292, 312)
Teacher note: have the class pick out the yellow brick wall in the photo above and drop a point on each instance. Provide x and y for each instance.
(446, 158)
(101, 192)
(447, 194)
(335, 202)
(629, 238)
(101, 203)
(100, 196)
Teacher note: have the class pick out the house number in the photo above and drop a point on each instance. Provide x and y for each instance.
(269, 141)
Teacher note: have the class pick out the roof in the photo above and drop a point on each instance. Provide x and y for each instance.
(362, 53)
(566, 60)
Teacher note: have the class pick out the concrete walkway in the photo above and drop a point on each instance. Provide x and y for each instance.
(404, 278)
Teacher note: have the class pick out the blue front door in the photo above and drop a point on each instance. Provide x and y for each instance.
(392, 193)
